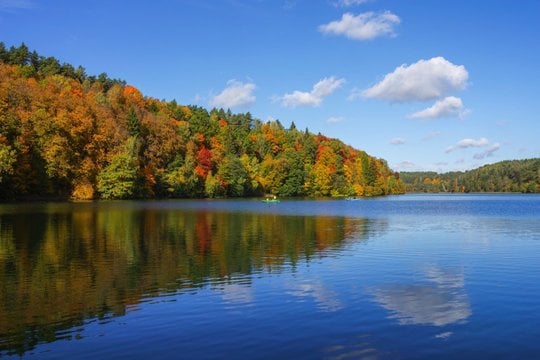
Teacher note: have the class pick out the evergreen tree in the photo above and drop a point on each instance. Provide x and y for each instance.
(134, 125)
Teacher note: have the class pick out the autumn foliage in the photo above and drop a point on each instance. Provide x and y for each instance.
(64, 134)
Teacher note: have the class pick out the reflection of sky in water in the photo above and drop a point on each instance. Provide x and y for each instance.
(236, 293)
(325, 298)
(441, 301)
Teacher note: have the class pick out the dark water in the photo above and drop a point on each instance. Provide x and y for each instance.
(399, 277)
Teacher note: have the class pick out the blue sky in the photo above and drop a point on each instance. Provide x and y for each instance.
(424, 84)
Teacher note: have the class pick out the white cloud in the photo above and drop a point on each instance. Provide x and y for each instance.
(404, 166)
(355, 94)
(423, 80)
(289, 5)
(468, 143)
(198, 98)
(450, 106)
(346, 3)
(235, 94)
(397, 141)
(315, 97)
(432, 135)
(488, 152)
(334, 119)
(364, 26)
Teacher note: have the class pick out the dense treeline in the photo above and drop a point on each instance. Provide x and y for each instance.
(66, 134)
(34, 65)
(505, 176)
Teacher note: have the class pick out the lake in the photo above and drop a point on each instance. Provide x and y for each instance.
(401, 277)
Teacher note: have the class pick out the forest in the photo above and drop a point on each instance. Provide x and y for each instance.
(67, 135)
(505, 176)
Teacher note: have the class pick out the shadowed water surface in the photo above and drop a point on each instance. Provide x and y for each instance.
(417, 276)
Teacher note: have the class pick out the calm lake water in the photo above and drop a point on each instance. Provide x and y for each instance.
(415, 276)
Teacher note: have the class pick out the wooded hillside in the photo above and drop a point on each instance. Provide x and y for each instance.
(504, 176)
(66, 134)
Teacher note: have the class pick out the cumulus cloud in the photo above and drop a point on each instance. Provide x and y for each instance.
(488, 152)
(235, 94)
(423, 80)
(397, 141)
(314, 97)
(450, 106)
(364, 26)
(468, 143)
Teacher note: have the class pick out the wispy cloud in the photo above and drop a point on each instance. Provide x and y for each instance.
(320, 90)
(289, 4)
(334, 119)
(404, 166)
(450, 106)
(468, 143)
(13, 5)
(347, 3)
(488, 152)
(235, 94)
(366, 26)
(423, 80)
(355, 94)
(432, 135)
(397, 141)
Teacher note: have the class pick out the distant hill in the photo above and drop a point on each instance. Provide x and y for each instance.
(505, 176)
(66, 134)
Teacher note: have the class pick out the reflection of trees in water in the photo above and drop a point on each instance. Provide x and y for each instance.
(64, 264)
(440, 301)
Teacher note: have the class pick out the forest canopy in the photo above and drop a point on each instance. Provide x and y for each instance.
(505, 176)
(65, 134)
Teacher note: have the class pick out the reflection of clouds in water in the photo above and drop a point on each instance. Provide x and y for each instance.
(444, 335)
(326, 299)
(359, 347)
(446, 279)
(235, 293)
(439, 303)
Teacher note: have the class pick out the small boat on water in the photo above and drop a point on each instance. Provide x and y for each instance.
(272, 200)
